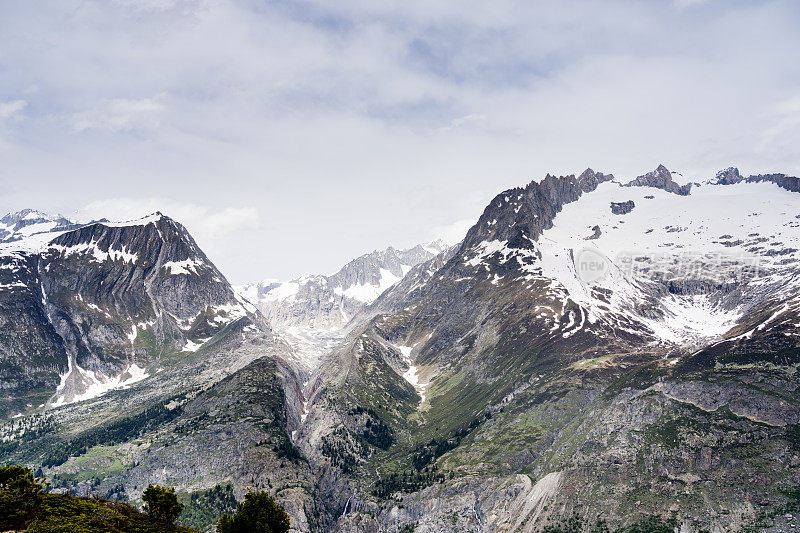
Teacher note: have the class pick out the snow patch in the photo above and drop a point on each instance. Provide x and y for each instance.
(186, 267)
(78, 384)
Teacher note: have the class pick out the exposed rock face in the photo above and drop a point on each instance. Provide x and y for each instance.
(103, 304)
(661, 178)
(622, 208)
(731, 176)
(495, 363)
(520, 215)
(783, 181)
(492, 388)
(130, 360)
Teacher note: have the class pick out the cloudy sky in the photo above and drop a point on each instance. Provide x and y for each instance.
(291, 136)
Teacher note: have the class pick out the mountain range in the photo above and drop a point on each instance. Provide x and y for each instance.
(313, 312)
(593, 348)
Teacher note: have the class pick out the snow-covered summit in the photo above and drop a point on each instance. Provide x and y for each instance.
(313, 311)
(649, 257)
(22, 224)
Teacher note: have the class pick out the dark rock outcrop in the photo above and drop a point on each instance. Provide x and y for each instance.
(731, 176)
(622, 208)
(100, 298)
(520, 215)
(783, 181)
(596, 233)
(660, 178)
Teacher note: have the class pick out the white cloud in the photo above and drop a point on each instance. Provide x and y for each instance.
(119, 114)
(455, 232)
(11, 109)
(352, 125)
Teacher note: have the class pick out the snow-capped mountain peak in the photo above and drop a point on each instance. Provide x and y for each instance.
(312, 312)
(22, 224)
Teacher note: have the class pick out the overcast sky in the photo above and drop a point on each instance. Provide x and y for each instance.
(291, 136)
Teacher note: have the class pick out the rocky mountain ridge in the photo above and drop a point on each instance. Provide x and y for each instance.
(16, 226)
(507, 368)
(568, 358)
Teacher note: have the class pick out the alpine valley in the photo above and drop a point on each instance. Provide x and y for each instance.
(594, 348)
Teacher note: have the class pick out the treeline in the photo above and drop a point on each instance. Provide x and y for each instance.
(284, 449)
(406, 481)
(114, 433)
(375, 432)
(26, 505)
(336, 447)
(207, 507)
(24, 430)
(423, 460)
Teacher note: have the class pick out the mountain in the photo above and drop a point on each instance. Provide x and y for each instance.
(312, 312)
(101, 306)
(16, 226)
(594, 348)
(597, 347)
(126, 358)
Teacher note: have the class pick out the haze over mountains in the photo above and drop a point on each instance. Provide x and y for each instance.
(312, 312)
(596, 346)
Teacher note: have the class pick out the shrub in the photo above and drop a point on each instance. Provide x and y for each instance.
(258, 514)
(20, 496)
(162, 503)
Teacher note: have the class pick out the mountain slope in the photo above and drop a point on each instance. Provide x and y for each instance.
(105, 304)
(666, 384)
(313, 312)
(128, 359)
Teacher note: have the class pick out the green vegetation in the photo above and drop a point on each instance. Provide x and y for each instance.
(376, 432)
(284, 449)
(20, 496)
(66, 514)
(793, 436)
(794, 499)
(162, 504)
(423, 460)
(25, 506)
(650, 524)
(111, 434)
(24, 431)
(205, 508)
(258, 514)
(406, 481)
(342, 453)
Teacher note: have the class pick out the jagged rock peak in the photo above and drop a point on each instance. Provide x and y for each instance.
(660, 178)
(729, 176)
(520, 215)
